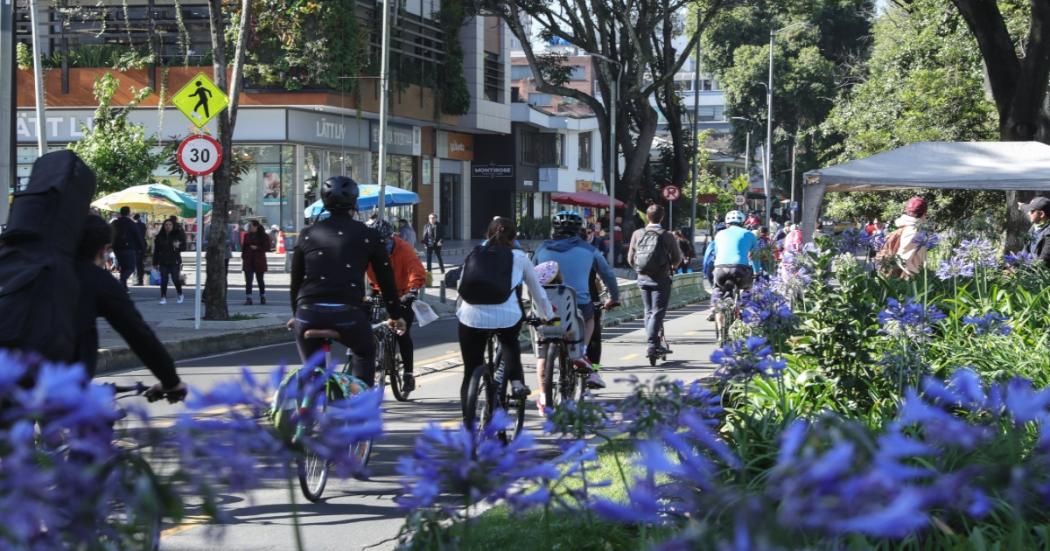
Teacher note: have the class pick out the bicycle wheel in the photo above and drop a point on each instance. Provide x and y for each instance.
(393, 367)
(135, 516)
(311, 467)
(515, 407)
(559, 378)
(479, 401)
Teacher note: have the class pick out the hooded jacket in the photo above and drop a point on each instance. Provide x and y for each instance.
(408, 270)
(575, 259)
(911, 255)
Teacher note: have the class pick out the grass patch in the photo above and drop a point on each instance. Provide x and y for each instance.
(244, 317)
(501, 528)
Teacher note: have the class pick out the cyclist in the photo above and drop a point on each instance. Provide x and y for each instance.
(478, 322)
(101, 295)
(734, 249)
(328, 273)
(654, 253)
(575, 260)
(409, 277)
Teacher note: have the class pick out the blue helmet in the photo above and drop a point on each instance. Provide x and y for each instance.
(566, 224)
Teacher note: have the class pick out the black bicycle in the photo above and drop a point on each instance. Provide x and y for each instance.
(388, 353)
(727, 311)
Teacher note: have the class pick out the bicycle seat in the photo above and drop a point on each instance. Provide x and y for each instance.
(321, 334)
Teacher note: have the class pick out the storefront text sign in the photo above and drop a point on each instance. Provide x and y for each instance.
(460, 147)
(327, 129)
(493, 171)
(400, 139)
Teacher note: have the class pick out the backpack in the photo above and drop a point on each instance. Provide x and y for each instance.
(452, 279)
(651, 257)
(486, 275)
(38, 284)
(886, 258)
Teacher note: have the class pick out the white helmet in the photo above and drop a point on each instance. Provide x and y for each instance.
(734, 217)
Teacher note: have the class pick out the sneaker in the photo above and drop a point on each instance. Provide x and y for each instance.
(540, 406)
(181, 299)
(519, 390)
(163, 300)
(262, 299)
(594, 381)
(582, 364)
(248, 301)
(408, 383)
(711, 316)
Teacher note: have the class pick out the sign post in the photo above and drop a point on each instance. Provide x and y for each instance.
(199, 155)
(671, 194)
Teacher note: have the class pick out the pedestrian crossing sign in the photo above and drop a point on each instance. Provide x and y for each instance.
(740, 183)
(200, 100)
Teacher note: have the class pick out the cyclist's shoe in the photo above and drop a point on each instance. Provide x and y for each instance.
(594, 381)
(408, 383)
(582, 364)
(711, 316)
(519, 390)
(540, 406)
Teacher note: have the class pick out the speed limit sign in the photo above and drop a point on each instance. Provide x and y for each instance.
(199, 155)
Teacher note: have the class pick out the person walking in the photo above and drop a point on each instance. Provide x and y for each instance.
(253, 255)
(126, 241)
(654, 253)
(140, 254)
(904, 253)
(688, 252)
(167, 257)
(1038, 211)
(433, 240)
(406, 233)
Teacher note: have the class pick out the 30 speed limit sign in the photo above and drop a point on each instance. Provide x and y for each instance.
(199, 155)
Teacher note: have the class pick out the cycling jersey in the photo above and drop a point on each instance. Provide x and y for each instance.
(575, 259)
(733, 247)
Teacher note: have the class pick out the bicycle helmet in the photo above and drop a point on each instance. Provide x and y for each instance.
(546, 272)
(734, 217)
(566, 224)
(382, 226)
(339, 193)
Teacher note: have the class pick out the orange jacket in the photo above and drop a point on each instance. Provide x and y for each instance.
(408, 270)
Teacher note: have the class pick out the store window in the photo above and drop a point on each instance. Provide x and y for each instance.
(585, 151)
(265, 192)
(322, 164)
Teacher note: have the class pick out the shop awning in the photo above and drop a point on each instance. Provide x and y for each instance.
(591, 199)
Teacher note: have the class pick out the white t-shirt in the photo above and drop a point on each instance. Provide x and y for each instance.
(500, 316)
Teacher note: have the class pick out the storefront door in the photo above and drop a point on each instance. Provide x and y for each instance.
(450, 197)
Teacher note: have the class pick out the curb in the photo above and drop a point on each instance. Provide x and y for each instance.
(114, 359)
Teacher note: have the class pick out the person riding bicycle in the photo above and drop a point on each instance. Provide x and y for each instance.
(479, 321)
(654, 253)
(101, 295)
(328, 279)
(734, 249)
(575, 260)
(409, 276)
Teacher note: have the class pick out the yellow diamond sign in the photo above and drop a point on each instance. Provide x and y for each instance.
(740, 184)
(200, 100)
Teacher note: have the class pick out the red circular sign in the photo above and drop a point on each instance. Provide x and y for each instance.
(671, 193)
(199, 155)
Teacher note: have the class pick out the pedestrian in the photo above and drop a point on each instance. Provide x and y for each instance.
(433, 240)
(256, 244)
(904, 253)
(275, 232)
(793, 239)
(140, 254)
(688, 252)
(167, 257)
(653, 257)
(619, 243)
(126, 240)
(1038, 210)
(406, 233)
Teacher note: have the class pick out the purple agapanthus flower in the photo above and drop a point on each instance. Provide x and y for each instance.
(853, 241)
(954, 267)
(1020, 259)
(764, 307)
(747, 358)
(992, 323)
(926, 239)
(909, 319)
(978, 252)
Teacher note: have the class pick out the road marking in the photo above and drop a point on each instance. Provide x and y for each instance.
(188, 523)
(629, 357)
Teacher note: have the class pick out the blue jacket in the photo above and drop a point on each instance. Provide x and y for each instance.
(709, 260)
(575, 259)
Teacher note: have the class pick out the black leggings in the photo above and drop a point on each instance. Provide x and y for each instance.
(404, 342)
(248, 283)
(594, 347)
(355, 331)
(472, 344)
(172, 271)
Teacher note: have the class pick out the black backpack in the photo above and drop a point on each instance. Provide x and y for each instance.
(651, 257)
(38, 286)
(486, 275)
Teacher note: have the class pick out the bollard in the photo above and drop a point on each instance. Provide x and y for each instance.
(441, 292)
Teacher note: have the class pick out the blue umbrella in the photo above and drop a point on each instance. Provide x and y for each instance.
(369, 198)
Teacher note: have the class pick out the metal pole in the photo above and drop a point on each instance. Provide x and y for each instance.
(8, 172)
(38, 76)
(766, 184)
(384, 97)
(794, 146)
(696, 135)
(200, 234)
(747, 157)
(614, 97)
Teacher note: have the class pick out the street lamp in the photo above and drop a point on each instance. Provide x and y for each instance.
(614, 97)
(747, 146)
(769, 116)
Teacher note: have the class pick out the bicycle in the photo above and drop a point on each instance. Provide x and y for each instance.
(727, 311)
(489, 391)
(312, 468)
(388, 352)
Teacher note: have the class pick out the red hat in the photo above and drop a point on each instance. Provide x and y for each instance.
(916, 206)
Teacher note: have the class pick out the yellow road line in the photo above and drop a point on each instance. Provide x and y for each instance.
(188, 523)
(630, 357)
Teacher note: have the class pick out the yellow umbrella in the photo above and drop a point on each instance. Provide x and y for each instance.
(138, 199)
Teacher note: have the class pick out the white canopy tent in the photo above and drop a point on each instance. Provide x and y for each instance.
(950, 165)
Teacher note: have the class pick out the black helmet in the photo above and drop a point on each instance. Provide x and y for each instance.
(382, 226)
(339, 193)
(566, 223)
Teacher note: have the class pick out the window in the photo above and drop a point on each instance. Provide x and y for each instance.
(585, 151)
(537, 148)
(539, 99)
(578, 73)
(520, 72)
(515, 95)
(705, 85)
(683, 85)
(559, 150)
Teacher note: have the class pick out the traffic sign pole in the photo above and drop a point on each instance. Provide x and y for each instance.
(200, 232)
(199, 155)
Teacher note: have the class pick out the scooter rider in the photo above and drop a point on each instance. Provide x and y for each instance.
(328, 279)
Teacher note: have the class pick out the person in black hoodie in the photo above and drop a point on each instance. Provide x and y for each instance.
(140, 254)
(101, 295)
(126, 241)
(167, 256)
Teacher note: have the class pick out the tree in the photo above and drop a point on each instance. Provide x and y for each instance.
(117, 150)
(923, 82)
(635, 34)
(215, 306)
(1014, 41)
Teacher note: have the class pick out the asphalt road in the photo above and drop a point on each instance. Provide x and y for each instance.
(362, 514)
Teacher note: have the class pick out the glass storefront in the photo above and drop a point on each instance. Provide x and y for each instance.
(321, 164)
(266, 191)
(400, 172)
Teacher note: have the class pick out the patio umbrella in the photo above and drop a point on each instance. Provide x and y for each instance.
(369, 198)
(585, 199)
(186, 203)
(157, 199)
